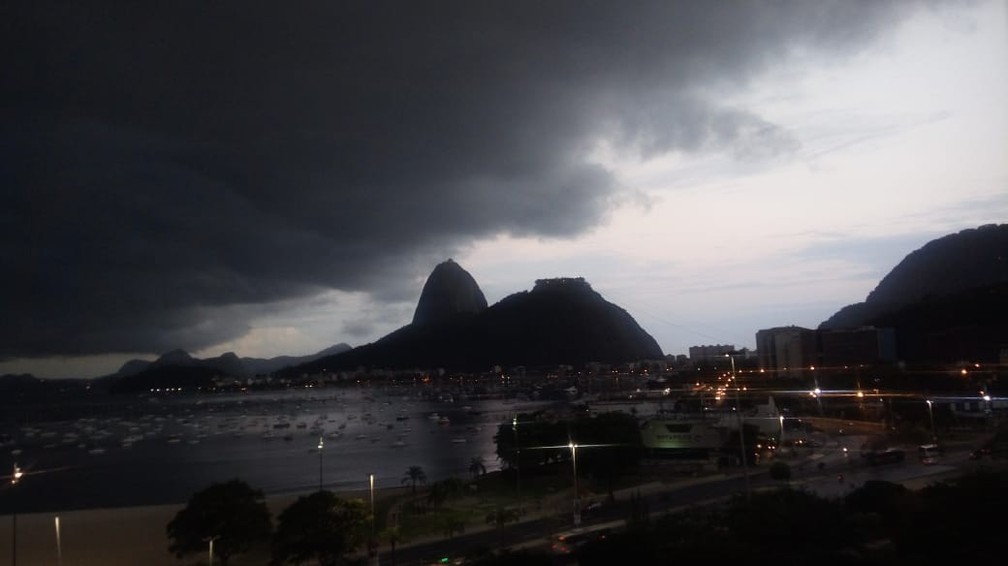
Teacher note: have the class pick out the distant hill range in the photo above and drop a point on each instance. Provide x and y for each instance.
(178, 369)
(560, 321)
(947, 301)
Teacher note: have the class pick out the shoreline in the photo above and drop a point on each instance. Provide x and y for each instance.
(119, 536)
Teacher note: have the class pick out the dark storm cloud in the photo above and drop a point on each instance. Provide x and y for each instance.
(166, 166)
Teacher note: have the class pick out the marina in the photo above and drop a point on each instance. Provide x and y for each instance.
(162, 449)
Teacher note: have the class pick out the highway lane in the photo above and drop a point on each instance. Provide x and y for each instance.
(840, 472)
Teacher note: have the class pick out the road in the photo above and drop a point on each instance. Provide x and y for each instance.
(829, 472)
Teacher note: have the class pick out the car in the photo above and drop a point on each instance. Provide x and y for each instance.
(568, 542)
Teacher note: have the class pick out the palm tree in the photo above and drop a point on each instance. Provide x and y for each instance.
(437, 494)
(477, 467)
(413, 475)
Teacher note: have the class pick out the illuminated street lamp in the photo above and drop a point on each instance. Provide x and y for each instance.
(371, 491)
(59, 544)
(577, 496)
(514, 427)
(210, 559)
(817, 391)
(372, 544)
(15, 477)
(934, 432)
(320, 444)
(987, 399)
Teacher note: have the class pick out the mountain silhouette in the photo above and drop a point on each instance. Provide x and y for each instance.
(449, 291)
(179, 369)
(946, 300)
(560, 321)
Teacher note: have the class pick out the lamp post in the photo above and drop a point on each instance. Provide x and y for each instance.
(514, 427)
(372, 545)
(934, 431)
(818, 392)
(577, 496)
(15, 477)
(320, 444)
(59, 544)
(371, 492)
(741, 429)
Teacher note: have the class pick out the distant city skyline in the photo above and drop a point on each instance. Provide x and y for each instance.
(290, 186)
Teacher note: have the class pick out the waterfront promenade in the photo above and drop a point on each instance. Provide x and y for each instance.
(136, 535)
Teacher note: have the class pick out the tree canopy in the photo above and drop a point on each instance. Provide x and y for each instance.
(879, 523)
(233, 514)
(320, 527)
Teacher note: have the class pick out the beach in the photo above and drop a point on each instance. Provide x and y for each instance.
(124, 536)
(100, 537)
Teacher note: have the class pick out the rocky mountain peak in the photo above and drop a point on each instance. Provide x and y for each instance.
(449, 291)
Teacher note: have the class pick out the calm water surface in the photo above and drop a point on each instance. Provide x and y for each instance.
(162, 451)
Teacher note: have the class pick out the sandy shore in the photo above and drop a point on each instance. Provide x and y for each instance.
(128, 536)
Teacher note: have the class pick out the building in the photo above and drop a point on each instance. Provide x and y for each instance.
(787, 351)
(791, 351)
(702, 353)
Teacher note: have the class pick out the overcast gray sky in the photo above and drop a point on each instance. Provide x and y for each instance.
(274, 178)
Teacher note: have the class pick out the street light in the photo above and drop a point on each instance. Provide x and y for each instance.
(15, 477)
(320, 444)
(577, 496)
(371, 491)
(59, 544)
(741, 430)
(514, 427)
(934, 432)
(210, 559)
(372, 546)
(817, 391)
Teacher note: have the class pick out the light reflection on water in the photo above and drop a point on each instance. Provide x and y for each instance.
(266, 439)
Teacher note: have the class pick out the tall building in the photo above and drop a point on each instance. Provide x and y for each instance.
(791, 351)
(788, 351)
